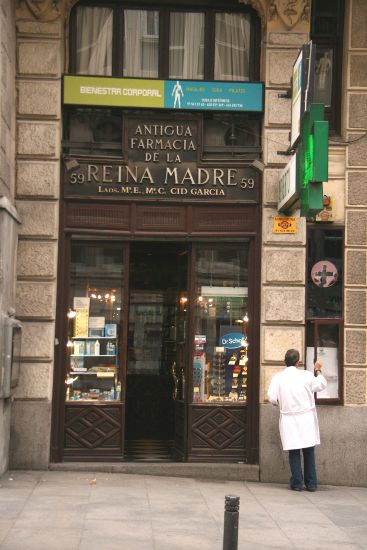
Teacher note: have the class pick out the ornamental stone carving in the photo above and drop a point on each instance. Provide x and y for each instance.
(257, 5)
(41, 10)
(290, 12)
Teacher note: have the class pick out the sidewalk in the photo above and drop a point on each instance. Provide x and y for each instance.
(90, 511)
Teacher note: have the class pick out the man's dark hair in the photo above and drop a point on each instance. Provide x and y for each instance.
(291, 357)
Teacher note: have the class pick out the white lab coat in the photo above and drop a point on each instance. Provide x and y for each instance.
(293, 390)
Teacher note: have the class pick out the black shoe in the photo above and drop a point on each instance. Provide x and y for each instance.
(311, 489)
(296, 489)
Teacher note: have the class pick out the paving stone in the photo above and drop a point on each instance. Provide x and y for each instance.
(172, 513)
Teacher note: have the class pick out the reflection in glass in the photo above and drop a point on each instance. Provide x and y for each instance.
(94, 41)
(90, 131)
(232, 46)
(93, 322)
(227, 135)
(323, 76)
(326, 349)
(141, 42)
(220, 360)
(186, 45)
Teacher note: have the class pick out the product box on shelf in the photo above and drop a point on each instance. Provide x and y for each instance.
(79, 347)
(110, 330)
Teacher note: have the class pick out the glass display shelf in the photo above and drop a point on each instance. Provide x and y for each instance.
(90, 355)
(105, 374)
(94, 338)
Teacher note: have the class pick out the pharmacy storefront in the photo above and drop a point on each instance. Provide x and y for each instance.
(158, 304)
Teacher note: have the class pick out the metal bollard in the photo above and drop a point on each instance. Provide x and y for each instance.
(230, 531)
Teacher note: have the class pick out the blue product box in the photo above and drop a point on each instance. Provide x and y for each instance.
(110, 330)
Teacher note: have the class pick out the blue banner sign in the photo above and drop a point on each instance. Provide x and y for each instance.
(213, 96)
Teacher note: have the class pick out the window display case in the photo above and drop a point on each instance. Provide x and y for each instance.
(220, 362)
(94, 325)
(323, 344)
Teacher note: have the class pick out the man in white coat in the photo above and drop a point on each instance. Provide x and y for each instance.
(293, 391)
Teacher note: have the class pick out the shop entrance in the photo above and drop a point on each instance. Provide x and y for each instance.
(155, 348)
(158, 354)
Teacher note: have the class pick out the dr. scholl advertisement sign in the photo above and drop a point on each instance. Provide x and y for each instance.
(230, 338)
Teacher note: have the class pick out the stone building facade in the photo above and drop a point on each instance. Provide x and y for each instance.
(9, 217)
(42, 32)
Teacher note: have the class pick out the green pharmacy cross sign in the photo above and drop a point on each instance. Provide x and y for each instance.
(312, 160)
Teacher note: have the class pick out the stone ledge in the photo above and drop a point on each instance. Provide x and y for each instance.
(225, 471)
(340, 445)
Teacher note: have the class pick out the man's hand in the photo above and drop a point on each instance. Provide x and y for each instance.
(317, 368)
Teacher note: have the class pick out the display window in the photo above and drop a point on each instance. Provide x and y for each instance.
(324, 310)
(327, 22)
(94, 322)
(220, 359)
(158, 321)
(323, 342)
(325, 273)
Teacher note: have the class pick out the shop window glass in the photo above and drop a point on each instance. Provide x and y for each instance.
(323, 76)
(327, 35)
(141, 43)
(164, 43)
(228, 136)
(94, 322)
(186, 45)
(93, 132)
(325, 273)
(220, 360)
(323, 343)
(232, 46)
(94, 40)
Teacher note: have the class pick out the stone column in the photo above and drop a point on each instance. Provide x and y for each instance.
(355, 113)
(9, 219)
(39, 49)
(283, 256)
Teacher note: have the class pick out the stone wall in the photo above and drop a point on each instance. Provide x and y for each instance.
(9, 219)
(40, 63)
(341, 456)
(283, 256)
(355, 120)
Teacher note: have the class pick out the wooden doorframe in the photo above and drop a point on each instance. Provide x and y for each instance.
(200, 223)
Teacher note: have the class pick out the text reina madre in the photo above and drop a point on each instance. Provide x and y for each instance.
(155, 165)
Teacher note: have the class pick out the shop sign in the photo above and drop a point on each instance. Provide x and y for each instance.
(232, 340)
(163, 94)
(161, 163)
(287, 186)
(327, 214)
(302, 88)
(324, 273)
(284, 224)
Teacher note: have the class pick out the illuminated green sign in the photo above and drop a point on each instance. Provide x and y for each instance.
(312, 152)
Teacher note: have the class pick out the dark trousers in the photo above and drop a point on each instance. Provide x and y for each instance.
(309, 468)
